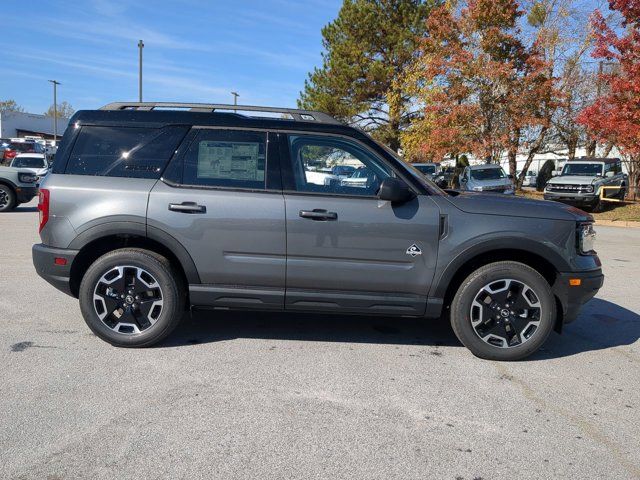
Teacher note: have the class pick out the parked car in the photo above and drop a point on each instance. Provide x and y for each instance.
(17, 185)
(444, 178)
(361, 178)
(151, 209)
(34, 162)
(486, 178)
(343, 171)
(429, 169)
(530, 179)
(581, 181)
(15, 147)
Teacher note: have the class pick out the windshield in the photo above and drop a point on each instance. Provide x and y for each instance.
(488, 174)
(583, 169)
(28, 162)
(428, 169)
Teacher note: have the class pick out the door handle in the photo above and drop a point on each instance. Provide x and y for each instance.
(187, 207)
(318, 214)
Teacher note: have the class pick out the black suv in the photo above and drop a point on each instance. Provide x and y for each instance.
(152, 207)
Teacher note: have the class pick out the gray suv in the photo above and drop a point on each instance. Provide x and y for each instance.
(152, 208)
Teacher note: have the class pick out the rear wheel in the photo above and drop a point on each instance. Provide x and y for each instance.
(7, 198)
(622, 193)
(131, 298)
(503, 311)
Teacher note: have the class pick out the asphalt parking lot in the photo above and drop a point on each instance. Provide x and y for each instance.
(249, 395)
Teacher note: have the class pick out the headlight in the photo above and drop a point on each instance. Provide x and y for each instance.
(477, 189)
(27, 177)
(586, 238)
(589, 189)
(547, 187)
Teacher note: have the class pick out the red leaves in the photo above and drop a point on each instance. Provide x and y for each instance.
(615, 115)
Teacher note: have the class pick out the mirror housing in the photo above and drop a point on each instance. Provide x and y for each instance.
(609, 174)
(395, 190)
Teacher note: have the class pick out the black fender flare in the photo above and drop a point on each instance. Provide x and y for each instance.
(140, 229)
(442, 280)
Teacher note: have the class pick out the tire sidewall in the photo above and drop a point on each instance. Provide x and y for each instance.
(12, 199)
(172, 308)
(461, 307)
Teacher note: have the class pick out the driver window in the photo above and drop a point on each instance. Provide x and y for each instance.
(335, 166)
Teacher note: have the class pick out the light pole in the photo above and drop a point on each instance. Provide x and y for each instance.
(235, 99)
(55, 110)
(140, 47)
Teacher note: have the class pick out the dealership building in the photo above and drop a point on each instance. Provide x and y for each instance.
(20, 124)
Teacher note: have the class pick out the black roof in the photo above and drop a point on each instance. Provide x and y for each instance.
(158, 114)
(594, 159)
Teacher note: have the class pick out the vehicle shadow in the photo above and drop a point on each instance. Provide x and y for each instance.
(601, 325)
(205, 326)
(22, 210)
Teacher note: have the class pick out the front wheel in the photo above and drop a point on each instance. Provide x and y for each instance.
(503, 311)
(131, 298)
(7, 198)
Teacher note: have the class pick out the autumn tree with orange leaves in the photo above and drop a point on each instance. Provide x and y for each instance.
(615, 115)
(480, 87)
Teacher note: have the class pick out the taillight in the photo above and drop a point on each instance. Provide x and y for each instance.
(43, 207)
(8, 154)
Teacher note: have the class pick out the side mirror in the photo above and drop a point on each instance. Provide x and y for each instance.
(554, 173)
(609, 174)
(394, 190)
(510, 176)
(463, 180)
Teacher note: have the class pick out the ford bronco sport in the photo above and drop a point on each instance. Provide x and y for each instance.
(152, 208)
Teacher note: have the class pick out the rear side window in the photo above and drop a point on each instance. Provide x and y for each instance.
(226, 158)
(123, 151)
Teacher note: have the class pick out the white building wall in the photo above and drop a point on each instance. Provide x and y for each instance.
(11, 122)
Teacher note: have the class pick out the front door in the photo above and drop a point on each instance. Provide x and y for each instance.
(347, 250)
(229, 215)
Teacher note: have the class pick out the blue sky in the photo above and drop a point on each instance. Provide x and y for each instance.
(195, 50)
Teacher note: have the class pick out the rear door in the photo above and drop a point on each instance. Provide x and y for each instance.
(221, 198)
(346, 250)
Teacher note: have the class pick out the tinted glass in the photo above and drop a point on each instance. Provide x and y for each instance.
(28, 162)
(226, 158)
(488, 174)
(123, 152)
(26, 147)
(428, 169)
(587, 169)
(315, 160)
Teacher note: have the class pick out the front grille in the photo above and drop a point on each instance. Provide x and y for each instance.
(570, 188)
(500, 188)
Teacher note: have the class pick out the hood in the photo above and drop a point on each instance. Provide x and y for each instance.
(507, 205)
(573, 180)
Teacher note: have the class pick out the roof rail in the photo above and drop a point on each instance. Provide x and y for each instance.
(295, 114)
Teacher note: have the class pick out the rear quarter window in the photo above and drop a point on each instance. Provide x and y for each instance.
(123, 151)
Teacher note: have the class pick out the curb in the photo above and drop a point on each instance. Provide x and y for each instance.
(617, 223)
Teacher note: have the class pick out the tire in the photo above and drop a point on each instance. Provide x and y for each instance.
(481, 333)
(131, 298)
(597, 206)
(7, 198)
(622, 193)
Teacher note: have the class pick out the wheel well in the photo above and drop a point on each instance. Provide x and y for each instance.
(8, 184)
(538, 263)
(95, 249)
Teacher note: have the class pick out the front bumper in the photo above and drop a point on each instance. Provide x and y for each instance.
(25, 194)
(572, 297)
(572, 198)
(44, 259)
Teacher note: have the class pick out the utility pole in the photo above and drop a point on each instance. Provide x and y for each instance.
(140, 47)
(55, 110)
(235, 99)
